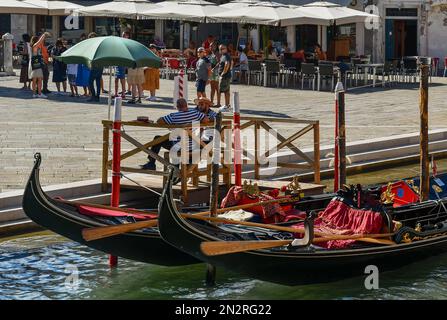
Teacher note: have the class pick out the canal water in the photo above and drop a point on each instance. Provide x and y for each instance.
(47, 266)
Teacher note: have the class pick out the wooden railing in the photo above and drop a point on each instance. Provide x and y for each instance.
(257, 124)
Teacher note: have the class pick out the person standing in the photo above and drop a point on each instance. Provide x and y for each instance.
(214, 58)
(36, 65)
(95, 78)
(135, 77)
(46, 72)
(203, 72)
(243, 65)
(152, 77)
(24, 53)
(225, 66)
(59, 68)
(72, 71)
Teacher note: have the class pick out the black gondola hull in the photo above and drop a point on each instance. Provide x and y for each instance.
(304, 266)
(63, 219)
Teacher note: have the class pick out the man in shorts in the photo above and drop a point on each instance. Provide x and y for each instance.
(203, 72)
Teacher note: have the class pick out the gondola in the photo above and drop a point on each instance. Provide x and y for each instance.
(308, 264)
(65, 219)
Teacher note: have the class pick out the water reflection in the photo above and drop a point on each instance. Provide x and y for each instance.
(38, 267)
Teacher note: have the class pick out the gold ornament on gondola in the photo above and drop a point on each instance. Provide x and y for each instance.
(412, 185)
(437, 188)
(387, 197)
(251, 189)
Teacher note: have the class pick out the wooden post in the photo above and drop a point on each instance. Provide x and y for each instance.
(341, 137)
(214, 190)
(257, 150)
(237, 140)
(317, 178)
(424, 157)
(116, 165)
(105, 157)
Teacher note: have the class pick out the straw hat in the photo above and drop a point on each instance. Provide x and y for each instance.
(203, 100)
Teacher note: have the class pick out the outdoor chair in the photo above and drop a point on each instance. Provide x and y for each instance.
(254, 71)
(346, 72)
(273, 70)
(357, 71)
(387, 71)
(427, 61)
(409, 68)
(435, 66)
(308, 71)
(445, 66)
(290, 70)
(325, 72)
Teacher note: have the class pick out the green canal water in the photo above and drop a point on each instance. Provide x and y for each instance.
(47, 266)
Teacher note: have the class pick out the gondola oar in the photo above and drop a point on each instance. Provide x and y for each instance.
(90, 234)
(215, 248)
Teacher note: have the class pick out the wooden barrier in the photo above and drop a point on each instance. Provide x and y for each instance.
(193, 172)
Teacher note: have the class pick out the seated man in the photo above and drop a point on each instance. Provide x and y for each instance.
(204, 106)
(184, 115)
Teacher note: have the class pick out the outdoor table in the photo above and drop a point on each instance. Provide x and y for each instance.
(367, 67)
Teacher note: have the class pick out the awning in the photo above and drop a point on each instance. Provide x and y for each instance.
(118, 8)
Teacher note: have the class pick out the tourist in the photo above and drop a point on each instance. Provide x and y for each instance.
(59, 68)
(204, 106)
(120, 77)
(135, 77)
(225, 66)
(183, 116)
(72, 71)
(83, 75)
(36, 64)
(203, 72)
(45, 70)
(319, 53)
(152, 77)
(95, 78)
(214, 58)
(191, 50)
(243, 65)
(208, 41)
(24, 54)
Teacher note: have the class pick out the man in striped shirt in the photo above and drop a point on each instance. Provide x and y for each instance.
(183, 116)
(204, 106)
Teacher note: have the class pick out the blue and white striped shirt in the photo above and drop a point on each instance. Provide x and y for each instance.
(184, 117)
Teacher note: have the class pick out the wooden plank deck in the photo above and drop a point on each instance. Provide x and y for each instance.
(156, 184)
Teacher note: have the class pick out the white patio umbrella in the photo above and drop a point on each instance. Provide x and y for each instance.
(192, 10)
(55, 7)
(118, 9)
(332, 12)
(267, 13)
(20, 7)
(238, 4)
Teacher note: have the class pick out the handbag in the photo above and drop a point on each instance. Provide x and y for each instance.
(36, 62)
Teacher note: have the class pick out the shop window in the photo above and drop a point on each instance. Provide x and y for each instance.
(107, 26)
(402, 12)
(68, 32)
(171, 34)
(306, 37)
(145, 31)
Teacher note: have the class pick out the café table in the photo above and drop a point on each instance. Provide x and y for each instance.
(366, 67)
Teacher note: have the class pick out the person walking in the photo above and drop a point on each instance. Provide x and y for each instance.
(25, 54)
(203, 72)
(36, 65)
(59, 68)
(225, 66)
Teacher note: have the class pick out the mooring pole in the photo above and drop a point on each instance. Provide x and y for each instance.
(116, 165)
(214, 189)
(341, 138)
(237, 140)
(339, 95)
(424, 156)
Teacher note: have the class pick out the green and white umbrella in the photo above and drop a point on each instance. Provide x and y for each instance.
(110, 51)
